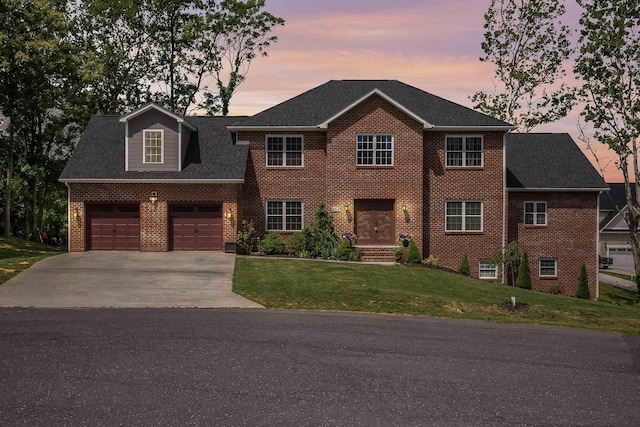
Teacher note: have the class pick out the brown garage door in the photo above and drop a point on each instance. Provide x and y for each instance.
(114, 228)
(196, 228)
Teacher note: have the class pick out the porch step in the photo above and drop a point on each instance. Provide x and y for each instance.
(377, 253)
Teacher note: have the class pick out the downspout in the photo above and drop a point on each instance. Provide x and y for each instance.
(504, 199)
(68, 216)
(598, 247)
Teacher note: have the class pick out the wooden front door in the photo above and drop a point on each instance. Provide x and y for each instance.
(375, 222)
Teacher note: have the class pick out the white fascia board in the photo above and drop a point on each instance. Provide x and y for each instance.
(275, 128)
(399, 106)
(615, 217)
(555, 190)
(125, 118)
(150, 181)
(473, 128)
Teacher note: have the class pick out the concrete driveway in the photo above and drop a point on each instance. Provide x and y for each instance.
(127, 280)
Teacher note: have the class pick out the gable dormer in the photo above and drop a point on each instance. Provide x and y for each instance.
(155, 139)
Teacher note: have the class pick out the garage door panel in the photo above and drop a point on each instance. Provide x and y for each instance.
(196, 228)
(114, 227)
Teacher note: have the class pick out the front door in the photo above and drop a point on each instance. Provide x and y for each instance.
(375, 222)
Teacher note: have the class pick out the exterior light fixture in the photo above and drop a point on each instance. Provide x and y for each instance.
(404, 207)
(77, 214)
(346, 207)
(153, 200)
(228, 214)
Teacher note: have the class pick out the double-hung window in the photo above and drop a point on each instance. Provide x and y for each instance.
(153, 145)
(374, 150)
(464, 216)
(285, 150)
(284, 215)
(464, 150)
(535, 213)
(548, 267)
(487, 270)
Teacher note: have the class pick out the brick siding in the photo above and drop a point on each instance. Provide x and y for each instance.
(570, 237)
(154, 218)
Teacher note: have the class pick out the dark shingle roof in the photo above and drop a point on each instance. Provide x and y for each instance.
(318, 105)
(616, 193)
(211, 154)
(548, 161)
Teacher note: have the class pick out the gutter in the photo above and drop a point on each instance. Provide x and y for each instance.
(149, 181)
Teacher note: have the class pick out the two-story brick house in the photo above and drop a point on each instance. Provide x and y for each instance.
(386, 158)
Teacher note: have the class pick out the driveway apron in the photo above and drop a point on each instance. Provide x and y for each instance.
(127, 280)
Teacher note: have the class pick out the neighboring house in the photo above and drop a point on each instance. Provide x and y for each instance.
(614, 231)
(386, 158)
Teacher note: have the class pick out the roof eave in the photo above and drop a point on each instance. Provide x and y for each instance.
(125, 118)
(473, 128)
(557, 189)
(275, 128)
(149, 181)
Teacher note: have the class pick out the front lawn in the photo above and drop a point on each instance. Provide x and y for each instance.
(311, 285)
(17, 255)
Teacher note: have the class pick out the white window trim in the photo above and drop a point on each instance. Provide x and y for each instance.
(374, 165)
(555, 261)
(464, 216)
(535, 213)
(480, 269)
(144, 141)
(284, 215)
(464, 151)
(284, 151)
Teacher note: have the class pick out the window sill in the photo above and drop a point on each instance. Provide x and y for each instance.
(458, 233)
(374, 167)
(285, 167)
(536, 225)
(548, 277)
(464, 168)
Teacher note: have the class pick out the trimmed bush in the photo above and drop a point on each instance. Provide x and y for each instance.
(320, 236)
(431, 261)
(465, 268)
(397, 253)
(297, 245)
(272, 244)
(246, 241)
(524, 273)
(345, 251)
(583, 284)
(414, 256)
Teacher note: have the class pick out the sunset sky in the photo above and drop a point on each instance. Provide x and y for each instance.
(431, 44)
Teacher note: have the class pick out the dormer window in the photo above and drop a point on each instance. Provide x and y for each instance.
(153, 146)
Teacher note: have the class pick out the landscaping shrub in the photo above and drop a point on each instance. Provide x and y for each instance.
(272, 244)
(320, 237)
(431, 261)
(524, 273)
(414, 256)
(465, 268)
(246, 241)
(297, 244)
(583, 284)
(345, 250)
(397, 252)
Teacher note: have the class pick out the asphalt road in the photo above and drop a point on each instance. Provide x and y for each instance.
(230, 367)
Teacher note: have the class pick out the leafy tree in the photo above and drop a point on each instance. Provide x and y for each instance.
(42, 96)
(413, 253)
(509, 258)
(465, 268)
(609, 66)
(528, 44)
(582, 291)
(524, 273)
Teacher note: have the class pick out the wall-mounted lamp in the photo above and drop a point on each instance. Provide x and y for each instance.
(153, 200)
(404, 207)
(346, 207)
(77, 214)
(228, 214)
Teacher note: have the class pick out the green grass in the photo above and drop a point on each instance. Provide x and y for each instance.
(17, 255)
(615, 295)
(308, 285)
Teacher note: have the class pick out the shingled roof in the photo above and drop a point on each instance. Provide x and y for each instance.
(545, 161)
(211, 155)
(317, 106)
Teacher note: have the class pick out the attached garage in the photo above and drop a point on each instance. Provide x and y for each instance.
(196, 227)
(622, 257)
(114, 227)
